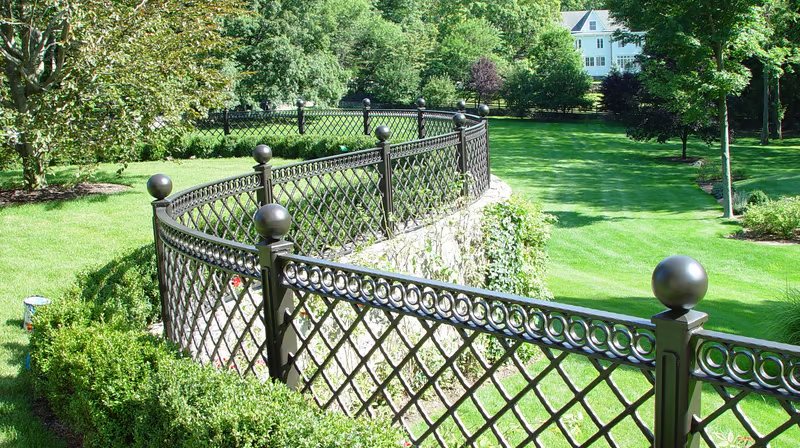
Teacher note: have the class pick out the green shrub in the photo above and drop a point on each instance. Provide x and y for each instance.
(121, 388)
(786, 321)
(123, 290)
(778, 218)
(711, 171)
(757, 197)
(740, 201)
(439, 91)
(516, 233)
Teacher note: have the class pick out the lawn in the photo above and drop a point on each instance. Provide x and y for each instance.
(621, 210)
(44, 245)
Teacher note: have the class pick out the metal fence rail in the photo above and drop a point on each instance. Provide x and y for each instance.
(454, 366)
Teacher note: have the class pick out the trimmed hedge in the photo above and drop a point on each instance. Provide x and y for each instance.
(201, 145)
(119, 386)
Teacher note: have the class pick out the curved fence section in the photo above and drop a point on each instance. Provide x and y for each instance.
(454, 366)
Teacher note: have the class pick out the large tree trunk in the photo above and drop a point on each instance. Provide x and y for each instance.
(684, 141)
(34, 166)
(765, 106)
(777, 129)
(724, 137)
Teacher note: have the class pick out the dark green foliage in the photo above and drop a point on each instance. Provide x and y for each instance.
(786, 319)
(780, 218)
(121, 388)
(740, 199)
(620, 91)
(125, 290)
(757, 197)
(717, 190)
(516, 233)
(202, 145)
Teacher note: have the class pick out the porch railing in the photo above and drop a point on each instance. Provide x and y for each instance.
(247, 283)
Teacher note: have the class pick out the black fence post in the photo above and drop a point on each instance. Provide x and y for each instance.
(421, 117)
(160, 186)
(301, 116)
(459, 120)
(483, 111)
(263, 154)
(367, 103)
(461, 105)
(226, 122)
(272, 222)
(385, 167)
(679, 282)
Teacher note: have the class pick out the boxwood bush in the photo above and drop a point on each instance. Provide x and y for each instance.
(776, 218)
(118, 386)
(123, 388)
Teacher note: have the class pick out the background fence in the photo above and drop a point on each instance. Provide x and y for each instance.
(247, 284)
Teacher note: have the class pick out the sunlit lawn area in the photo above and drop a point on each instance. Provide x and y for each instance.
(621, 210)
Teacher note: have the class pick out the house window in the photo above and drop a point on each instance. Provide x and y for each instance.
(601, 61)
(590, 62)
(592, 26)
(626, 63)
(577, 43)
(600, 43)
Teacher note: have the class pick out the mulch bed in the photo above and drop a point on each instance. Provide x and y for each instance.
(42, 410)
(678, 160)
(764, 239)
(58, 193)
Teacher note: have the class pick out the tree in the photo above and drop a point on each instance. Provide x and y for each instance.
(465, 43)
(439, 92)
(581, 5)
(85, 75)
(553, 78)
(620, 92)
(707, 40)
(484, 79)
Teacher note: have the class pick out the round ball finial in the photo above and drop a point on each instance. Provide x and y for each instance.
(461, 105)
(366, 102)
(483, 110)
(679, 282)
(262, 154)
(383, 133)
(420, 102)
(300, 103)
(159, 186)
(272, 221)
(460, 120)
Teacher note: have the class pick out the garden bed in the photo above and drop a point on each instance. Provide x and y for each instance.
(58, 193)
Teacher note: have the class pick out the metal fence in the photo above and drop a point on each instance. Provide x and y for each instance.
(247, 284)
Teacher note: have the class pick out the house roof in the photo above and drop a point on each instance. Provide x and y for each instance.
(576, 21)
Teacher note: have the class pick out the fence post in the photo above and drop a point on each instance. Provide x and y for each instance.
(272, 222)
(679, 282)
(301, 116)
(421, 117)
(226, 122)
(459, 120)
(367, 103)
(263, 154)
(385, 168)
(160, 186)
(483, 111)
(461, 105)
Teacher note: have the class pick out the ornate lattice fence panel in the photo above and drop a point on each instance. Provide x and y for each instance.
(425, 180)
(457, 366)
(477, 160)
(335, 202)
(403, 123)
(752, 392)
(223, 209)
(212, 299)
(339, 122)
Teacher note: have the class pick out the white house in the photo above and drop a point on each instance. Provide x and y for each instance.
(593, 32)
